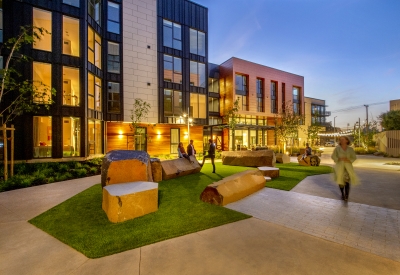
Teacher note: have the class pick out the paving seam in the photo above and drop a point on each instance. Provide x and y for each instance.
(368, 228)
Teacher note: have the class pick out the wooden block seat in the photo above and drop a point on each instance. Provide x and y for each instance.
(312, 160)
(127, 201)
(233, 188)
(271, 172)
(249, 158)
(267, 178)
(282, 158)
(179, 167)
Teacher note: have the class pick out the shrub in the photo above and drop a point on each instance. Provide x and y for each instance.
(80, 173)
(63, 168)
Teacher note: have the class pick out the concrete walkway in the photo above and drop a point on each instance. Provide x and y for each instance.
(251, 246)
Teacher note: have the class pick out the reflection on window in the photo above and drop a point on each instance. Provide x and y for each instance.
(94, 48)
(213, 120)
(71, 86)
(197, 74)
(296, 100)
(42, 136)
(41, 82)
(71, 136)
(70, 36)
(172, 35)
(94, 10)
(42, 19)
(198, 105)
(113, 17)
(213, 85)
(197, 42)
(74, 3)
(113, 58)
(213, 104)
(114, 102)
(94, 92)
(172, 69)
(260, 95)
(172, 103)
(241, 84)
(274, 98)
(95, 140)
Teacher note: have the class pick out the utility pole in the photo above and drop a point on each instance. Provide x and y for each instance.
(366, 108)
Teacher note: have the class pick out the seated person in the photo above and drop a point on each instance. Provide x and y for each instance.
(182, 152)
(308, 152)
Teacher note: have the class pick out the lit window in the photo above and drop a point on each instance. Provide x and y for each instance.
(172, 103)
(197, 42)
(94, 10)
(241, 91)
(71, 136)
(42, 136)
(213, 104)
(74, 3)
(94, 48)
(41, 82)
(113, 58)
(113, 18)
(296, 100)
(197, 74)
(95, 140)
(94, 92)
(71, 86)
(114, 102)
(172, 69)
(70, 36)
(213, 85)
(42, 19)
(198, 105)
(172, 35)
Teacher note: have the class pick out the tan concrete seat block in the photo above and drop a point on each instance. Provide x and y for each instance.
(179, 167)
(127, 201)
(312, 160)
(249, 158)
(271, 172)
(233, 188)
(120, 166)
(282, 158)
(267, 178)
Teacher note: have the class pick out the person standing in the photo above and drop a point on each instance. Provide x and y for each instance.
(344, 156)
(190, 149)
(211, 154)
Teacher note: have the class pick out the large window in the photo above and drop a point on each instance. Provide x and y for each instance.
(198, 106)
(213, 104)
(70, 36)
(172, 103)
(197, 74)
(74, 3)
(274, 98)
(41, 82)
(42, 19)
(172, 35)
(283, 97)
(114, 101)
(42, 136)
(94, 10)
(113, 21)
(213, 85)
(296, 100)
(260, 95)
(94, 48)
(71, 86)
(214, 120)
(197, 42)
(174, 141)
(94, 92)
(172, 69)
(241, 91)
(113, 58)
(95, 137)
(71, 136)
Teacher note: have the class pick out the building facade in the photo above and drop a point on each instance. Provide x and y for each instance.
(394, 105)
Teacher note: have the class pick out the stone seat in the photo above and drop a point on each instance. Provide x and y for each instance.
(179, 167)
(312, 160)
(282, 158)
(233, 188)
(127, 201)
(267, 178)
(249, 158)
(271, 172)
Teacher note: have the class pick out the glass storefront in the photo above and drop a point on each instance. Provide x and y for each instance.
(95, 137)
(71, 136)
(42, 136)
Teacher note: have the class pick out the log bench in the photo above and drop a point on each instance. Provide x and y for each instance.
(249, 158)
(127, 201)
(233, 188)
(312, 160)
(179, 167)
(271, 172)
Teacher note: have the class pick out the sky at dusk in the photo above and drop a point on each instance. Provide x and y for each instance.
(347, 50)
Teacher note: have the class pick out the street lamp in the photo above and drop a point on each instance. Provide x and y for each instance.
(334, 129)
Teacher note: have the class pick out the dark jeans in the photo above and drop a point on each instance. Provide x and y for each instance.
(212, 157)
(186, 156)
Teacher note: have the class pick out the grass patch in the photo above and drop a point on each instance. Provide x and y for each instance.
(82, 224)
(290, 174)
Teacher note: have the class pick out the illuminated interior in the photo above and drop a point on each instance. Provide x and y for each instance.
(42, 82)
(71, 136)
(42, 136)
(71, 86)
(70, 36)
(42, 19)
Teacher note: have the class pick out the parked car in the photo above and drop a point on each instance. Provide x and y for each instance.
(329, 144)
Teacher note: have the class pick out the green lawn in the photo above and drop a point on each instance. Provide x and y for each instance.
(290, 174)
(81, 223)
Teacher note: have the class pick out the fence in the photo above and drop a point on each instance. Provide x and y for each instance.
(389, 142)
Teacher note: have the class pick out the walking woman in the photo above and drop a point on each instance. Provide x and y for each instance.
(344, 156)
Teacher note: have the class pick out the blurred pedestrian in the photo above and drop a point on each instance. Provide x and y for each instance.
(211, 154)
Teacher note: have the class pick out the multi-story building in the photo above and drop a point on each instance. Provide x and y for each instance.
(101, 55)
(394, 105)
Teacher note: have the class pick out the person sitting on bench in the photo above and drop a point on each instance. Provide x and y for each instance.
(182, 152)
(308, 152)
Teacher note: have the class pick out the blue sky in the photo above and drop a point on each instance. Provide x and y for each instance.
(347, 50)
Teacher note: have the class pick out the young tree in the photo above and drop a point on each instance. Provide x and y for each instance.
(314, 129)
(365, 135)
(22, 95)
(231, 117)
(390, 120)
(139, 113)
